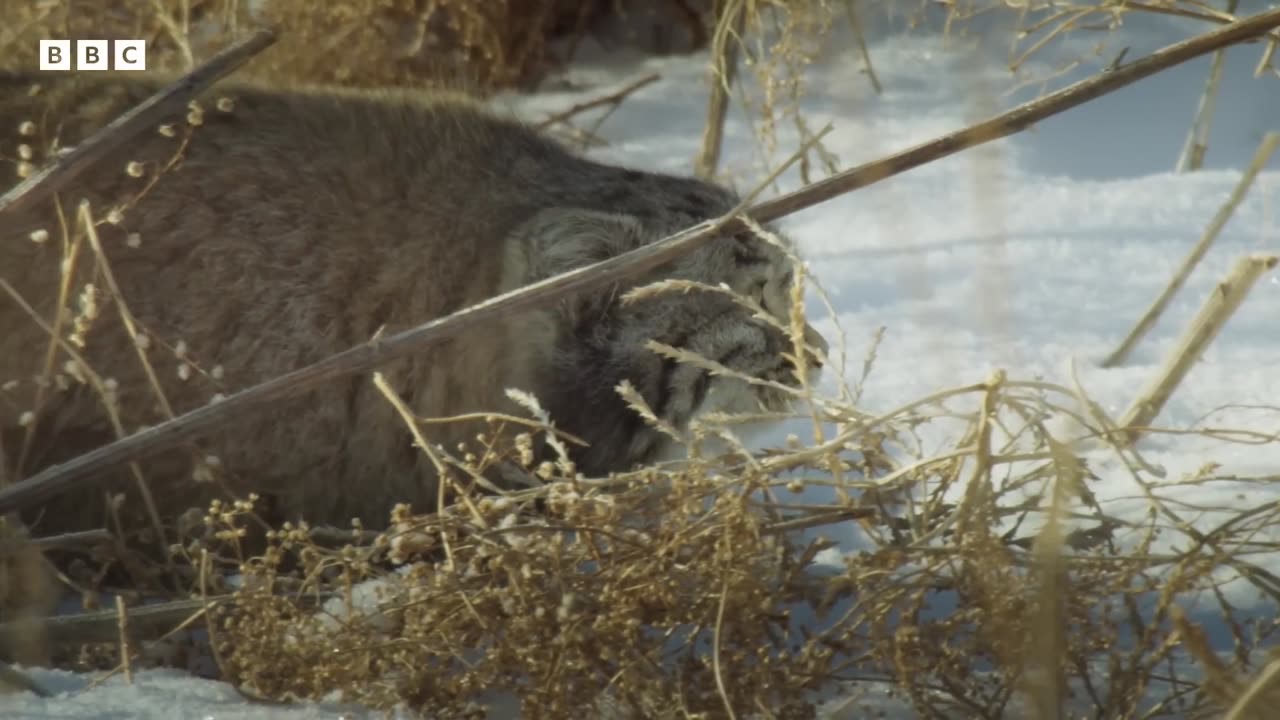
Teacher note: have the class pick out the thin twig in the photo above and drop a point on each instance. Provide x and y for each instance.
(101, 536)
(1193, 258)
(856, 25)
(715, 650)
(63, 170)
(612, 99)
(84, 218)
(362, 358)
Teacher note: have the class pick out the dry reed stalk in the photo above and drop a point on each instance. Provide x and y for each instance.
(1192, 157)
(724, 69)
(1017, 119)
(126, 653)
(365, 357)
(1260, 698)
(66, 168)
(1202, 12)
(1149, 318)
(1214, 313)
(101, 626)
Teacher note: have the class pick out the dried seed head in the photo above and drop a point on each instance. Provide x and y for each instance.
(216, 372)
(134, 169)
(167, 130)
(202, 474)
(72, 368)
(226, 104)
(180, 349)
(26, 128)
(184, 371)
(24, 169)
(24, 151)
(39, 236)
(133, 240)
(115, 216)
(142, 341)
(26, 418)
(88, 302)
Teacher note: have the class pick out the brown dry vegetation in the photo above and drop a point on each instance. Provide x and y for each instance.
(676, 592)
(479, 44)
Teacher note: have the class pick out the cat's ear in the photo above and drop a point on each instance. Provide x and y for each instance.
(557, 240)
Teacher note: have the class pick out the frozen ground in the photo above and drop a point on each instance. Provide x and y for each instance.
(1023, 254)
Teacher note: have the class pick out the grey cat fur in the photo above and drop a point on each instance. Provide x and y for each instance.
(300, 222)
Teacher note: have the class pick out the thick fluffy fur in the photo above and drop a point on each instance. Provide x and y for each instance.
(300, 223)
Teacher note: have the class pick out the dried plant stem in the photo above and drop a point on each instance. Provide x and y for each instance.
(851, 10)
(1265, 61)
(421, 441)
(724, 70)
(1204, 13)
(715, 651)
(362, 358)
(1197, 144)
(1264, 690)
(1217, 308)
(122, 616)
(178, 33)
(71, 251)
(62, 171)
(613, 99)
(1017, 119)
(1047, 642)
(84, 216)
(1260, 158)
(54, 542)
(102, 626)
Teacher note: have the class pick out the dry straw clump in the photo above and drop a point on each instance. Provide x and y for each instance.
(988, 580)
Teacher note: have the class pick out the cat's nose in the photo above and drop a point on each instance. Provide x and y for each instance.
(817, 346)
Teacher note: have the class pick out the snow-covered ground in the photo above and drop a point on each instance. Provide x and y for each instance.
(1024, 254)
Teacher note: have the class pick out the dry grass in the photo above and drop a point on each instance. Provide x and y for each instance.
(687, 590)
(476, 44)
(991, 581)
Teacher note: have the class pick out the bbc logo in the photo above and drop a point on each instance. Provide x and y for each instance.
(93, 55)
